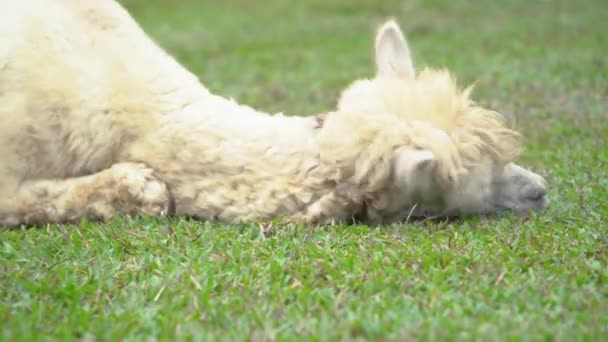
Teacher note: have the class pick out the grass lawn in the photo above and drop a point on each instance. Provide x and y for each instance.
(543, 63)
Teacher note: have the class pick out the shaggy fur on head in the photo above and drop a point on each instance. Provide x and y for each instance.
(377, 117)
(401, 110)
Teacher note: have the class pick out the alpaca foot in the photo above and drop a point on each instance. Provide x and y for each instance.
(139, 191)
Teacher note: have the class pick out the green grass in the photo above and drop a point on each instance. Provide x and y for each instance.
(539, 278)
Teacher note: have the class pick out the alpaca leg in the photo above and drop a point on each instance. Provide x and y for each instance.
(125, 188)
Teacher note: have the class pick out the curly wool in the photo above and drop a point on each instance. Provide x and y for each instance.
(375, 117)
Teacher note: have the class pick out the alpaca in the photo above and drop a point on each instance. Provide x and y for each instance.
(97, 120)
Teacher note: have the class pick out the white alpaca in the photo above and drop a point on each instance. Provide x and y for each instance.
(96, 119)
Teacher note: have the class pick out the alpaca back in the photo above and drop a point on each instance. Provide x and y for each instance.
(79, 82)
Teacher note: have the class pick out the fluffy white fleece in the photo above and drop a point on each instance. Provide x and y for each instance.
(83, 88)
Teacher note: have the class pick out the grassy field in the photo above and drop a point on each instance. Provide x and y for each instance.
(539, 278)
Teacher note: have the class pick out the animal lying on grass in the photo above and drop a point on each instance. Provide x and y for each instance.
(97, 120)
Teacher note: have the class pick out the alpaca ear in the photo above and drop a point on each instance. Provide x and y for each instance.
(414, 165)
(393, 57)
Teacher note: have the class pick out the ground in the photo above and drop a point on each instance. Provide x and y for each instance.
(543, 63)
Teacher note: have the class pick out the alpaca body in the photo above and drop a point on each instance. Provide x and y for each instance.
(96, 119)
(97, 91)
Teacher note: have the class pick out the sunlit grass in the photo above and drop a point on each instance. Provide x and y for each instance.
(544, 277)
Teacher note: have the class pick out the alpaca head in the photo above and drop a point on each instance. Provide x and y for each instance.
(406, 139)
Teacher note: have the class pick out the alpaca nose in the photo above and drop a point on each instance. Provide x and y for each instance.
(535, 193)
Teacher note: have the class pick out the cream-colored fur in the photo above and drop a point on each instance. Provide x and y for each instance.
(96, 119)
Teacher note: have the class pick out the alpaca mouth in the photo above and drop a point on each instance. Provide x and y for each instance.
(422, 214)
(523, 208)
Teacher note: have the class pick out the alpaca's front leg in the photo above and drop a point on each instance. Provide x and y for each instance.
(125, 188)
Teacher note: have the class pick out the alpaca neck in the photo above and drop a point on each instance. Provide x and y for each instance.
(226, 161)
